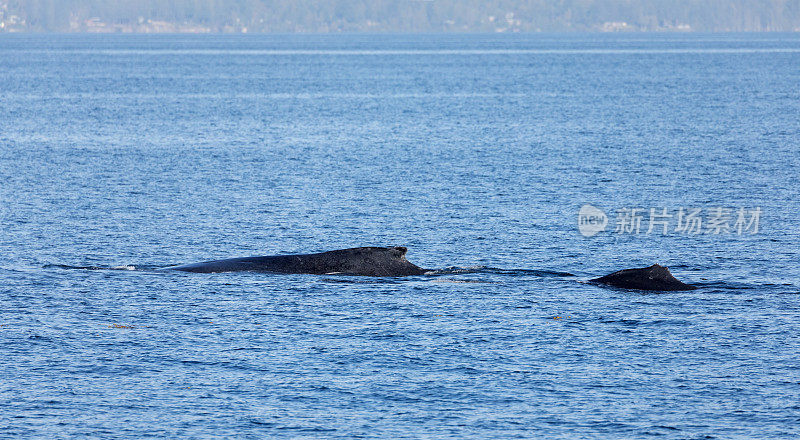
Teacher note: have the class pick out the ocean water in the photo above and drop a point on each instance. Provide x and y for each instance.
(123, 154)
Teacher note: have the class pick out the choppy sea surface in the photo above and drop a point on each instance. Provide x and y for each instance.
(123, 154)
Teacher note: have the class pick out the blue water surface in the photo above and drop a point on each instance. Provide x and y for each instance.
(123, 154)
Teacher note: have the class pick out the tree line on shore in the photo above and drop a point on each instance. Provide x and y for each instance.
(400, 15)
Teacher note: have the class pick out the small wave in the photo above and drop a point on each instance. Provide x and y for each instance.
(126, 267)
(739, 285)
(71, 267)
(360, 280)
(453, 270)
(534, 272)
(498, 271)
(449, 280)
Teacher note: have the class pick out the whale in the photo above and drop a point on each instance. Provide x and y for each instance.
(392, 262)
(367, 261)
(655, 277)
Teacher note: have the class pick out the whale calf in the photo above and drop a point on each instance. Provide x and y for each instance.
(368, 261)
(654, 277)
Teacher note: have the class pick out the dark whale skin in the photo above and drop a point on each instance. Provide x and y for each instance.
(367, 261)
(654, 277)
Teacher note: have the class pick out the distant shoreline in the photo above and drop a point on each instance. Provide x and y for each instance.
(375, 32)
(398, 16)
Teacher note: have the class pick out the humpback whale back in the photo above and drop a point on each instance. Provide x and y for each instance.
(654, 277)
(369, 261)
